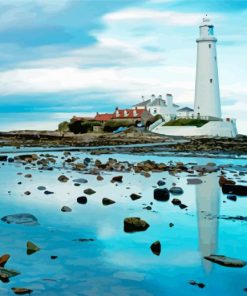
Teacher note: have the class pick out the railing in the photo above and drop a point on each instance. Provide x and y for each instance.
(155, 124)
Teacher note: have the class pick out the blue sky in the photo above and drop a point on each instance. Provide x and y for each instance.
(64, 57)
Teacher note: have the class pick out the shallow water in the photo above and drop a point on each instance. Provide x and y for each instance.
(119, 263)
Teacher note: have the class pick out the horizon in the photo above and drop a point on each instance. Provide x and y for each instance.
(69, 57)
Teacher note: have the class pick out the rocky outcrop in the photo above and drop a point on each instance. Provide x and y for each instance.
(240, 190)
(224, 181)
(225, 261)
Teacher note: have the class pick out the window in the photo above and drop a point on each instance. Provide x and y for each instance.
(211, 80)
(209, 45)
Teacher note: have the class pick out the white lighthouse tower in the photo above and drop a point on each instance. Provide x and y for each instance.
(207, 93)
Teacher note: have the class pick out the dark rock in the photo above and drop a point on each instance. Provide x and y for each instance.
(32, 248)
(161, 183)
(23, 219)
(86, 161)
(80, 181)
(232, 197)
(201, 285)
(171, 224)
(28, 176)
(194, 181)
(182, 206)
(41, 188)
(3, 157)
(240, 190)
(134, 224)
(176, 191)
(100, 178)
(147, 208)
(89, 191)
(135, 196)
(47, 192)
(156, 248)
(82, 200)
(66, 209)
(161, 194)
(10, 160)
(53, 257)
(176, 202)
(22, 291)
(27, 192)
(118, 179)
(63, 179)
(224, 181)
(225, 261)
(107, 201)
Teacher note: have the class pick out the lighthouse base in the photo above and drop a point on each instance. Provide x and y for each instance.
(225, 128)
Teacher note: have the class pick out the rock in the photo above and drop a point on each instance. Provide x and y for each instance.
(107, 201)
(83, 240)
(80, 181)
(21, 291)
(100, 178)
(192, 282)
(63, 179)
(224, 181)
(66, 209)
(32, 248)
(28, 176)
(171, 224)
(176, 191)
(161, 183)
(182, 206)
(3, 157)
(5, 274)
(23, 219)
(176, 202)
(149, 208)
(205, 168)
(47, 192)
(118, 179)
(161, 194)
(232, 197)
(134, 224)
(82, 200)
(201, 285)
(225, 261)
(10, 159)
(240, 190)
(27, 192)
(86, 161)
(146, 175)
(4, 259)
(156, 248)
(89, 191)
(41, 188)
(53, 257)
(135, 196)
(194, 181)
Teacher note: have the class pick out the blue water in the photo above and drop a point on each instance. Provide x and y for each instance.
(118, 263)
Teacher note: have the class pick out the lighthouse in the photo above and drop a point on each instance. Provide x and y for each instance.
(207, 92)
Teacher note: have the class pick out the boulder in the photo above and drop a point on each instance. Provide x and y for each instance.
(82, 200)
(118, 179)
(134, 224)
(176, 190)
(161, 194)
(32, 248)
(23, 219)
(22, 291)
(194, 181)
(63, 179)
(225, 261)
(89, 191)
(156, 248)
(107, 201)
(80, 181)
(176, 202)
(224, 181)
(4, 259)
(99, 178)
(240, 190)
(135, 196)
(232, 197)
(3, 157)
(161, 183)
(66, 209)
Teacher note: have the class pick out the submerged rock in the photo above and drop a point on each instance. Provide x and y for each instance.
(225, 261)
(66, 209)
(3, 157)
(135, 196)
(21, 291)
(176, 190)
(32, 248)
(100, 178)
(80, 181)
(161, 194)
(82, 200)
(240, 190)
(134, 224)
(4, 259)
(89, 191)
(107, 201)
(176, 202)
(161, 183)
(63, 179)
(224, 181)
(24, 219)
(41, 188)
(194, 181)
(232, 197)
(156, 248)
(47, 192)
(118, 179)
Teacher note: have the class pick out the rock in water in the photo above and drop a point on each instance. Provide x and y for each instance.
(21, 291)
(240, 190)
(161, 183)
(224, 181)
(63, 179)
(161, 194)
(156, 248)
(225, 261)
(4, 259)
(24, 219)
(134, 224)
(89, 191)
(41, 188)
(82, 200)
(100, 178)
(66, 209)
(176, 190)
(194, 181)
(80, 181)
(118, 179)
(3, 158)
(232, 197)
(107, 201)
(176, 202)
(135, 196)
(32, 248)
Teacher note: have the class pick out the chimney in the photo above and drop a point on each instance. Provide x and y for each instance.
(152, 98)
(169, 102)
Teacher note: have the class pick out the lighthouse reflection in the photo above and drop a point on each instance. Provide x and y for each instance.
(208, 207)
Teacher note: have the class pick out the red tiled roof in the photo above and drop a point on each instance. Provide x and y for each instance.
(103, 117)
(75, 118)
(128, 113)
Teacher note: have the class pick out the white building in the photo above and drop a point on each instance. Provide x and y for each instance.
(185, 112)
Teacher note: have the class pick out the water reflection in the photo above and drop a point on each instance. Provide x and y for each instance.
(208, 207)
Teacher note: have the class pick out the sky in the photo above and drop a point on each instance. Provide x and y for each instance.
(60, 58)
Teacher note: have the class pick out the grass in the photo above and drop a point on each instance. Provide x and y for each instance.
(186, 122)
